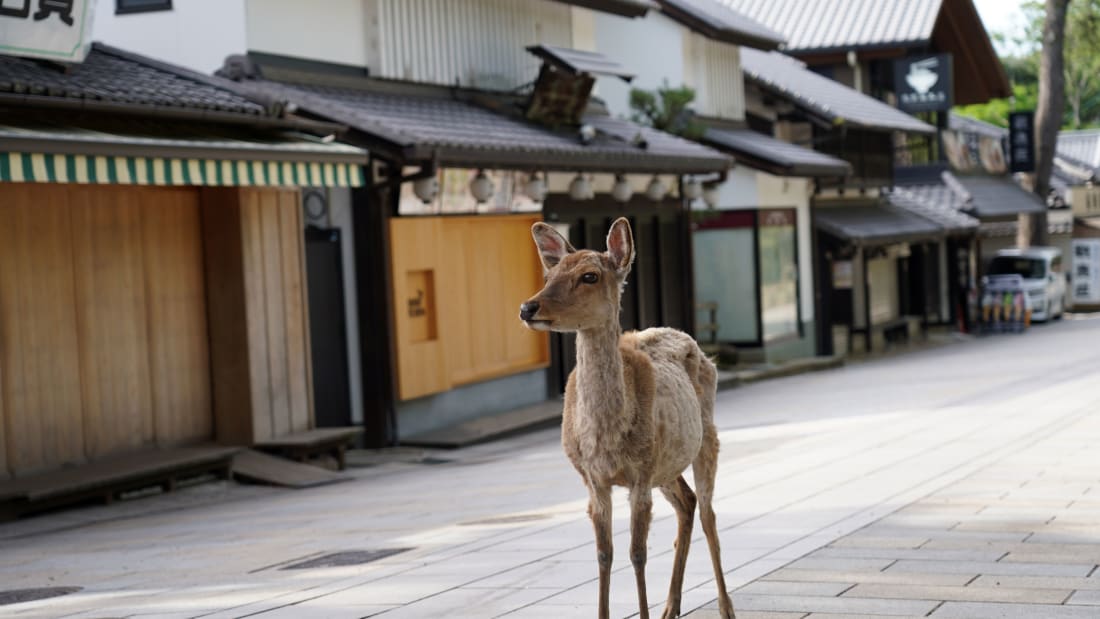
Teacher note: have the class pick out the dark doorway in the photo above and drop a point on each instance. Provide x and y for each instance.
(660, 288)
(328, 327)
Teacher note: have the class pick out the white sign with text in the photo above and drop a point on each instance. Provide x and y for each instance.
(53, 29)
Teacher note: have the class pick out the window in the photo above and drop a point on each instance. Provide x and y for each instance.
(123, 7)
(778, 273)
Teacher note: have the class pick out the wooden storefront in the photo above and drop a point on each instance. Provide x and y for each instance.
(143, 316)
(457, 282)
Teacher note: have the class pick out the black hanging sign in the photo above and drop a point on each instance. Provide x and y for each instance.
(1021, 141)
(923, 83)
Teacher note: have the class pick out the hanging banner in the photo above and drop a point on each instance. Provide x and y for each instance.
(1021, 140)
(58, 30)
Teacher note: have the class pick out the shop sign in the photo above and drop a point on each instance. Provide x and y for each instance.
(52, 29)
(1021, 141)
(923, 83)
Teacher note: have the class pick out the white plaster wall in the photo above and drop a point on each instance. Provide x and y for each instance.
(652, 48)
(332, 31)
(197, 34)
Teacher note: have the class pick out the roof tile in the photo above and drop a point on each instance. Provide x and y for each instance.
(112, 76)
(822, 96)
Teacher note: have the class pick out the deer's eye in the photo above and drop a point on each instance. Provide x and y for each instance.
(590, 278)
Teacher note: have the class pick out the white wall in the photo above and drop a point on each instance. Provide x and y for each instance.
(651, 48)
(659, 50)
(197, 34)
(332, 30)
(476, 43)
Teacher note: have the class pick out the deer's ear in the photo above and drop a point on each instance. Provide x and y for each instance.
(620, 245)
(552, 245)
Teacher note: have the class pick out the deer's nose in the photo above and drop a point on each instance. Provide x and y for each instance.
(528, 310)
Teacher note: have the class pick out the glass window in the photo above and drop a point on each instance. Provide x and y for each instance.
(778, 273)
(141, 6)
(1029, 268)
(724, 276)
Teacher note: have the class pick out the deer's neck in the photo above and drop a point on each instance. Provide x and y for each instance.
(600, 371)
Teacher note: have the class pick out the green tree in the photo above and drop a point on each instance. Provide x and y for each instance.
(1081, 67)
(666, 108)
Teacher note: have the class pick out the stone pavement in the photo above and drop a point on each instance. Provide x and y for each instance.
(949, 483)
(1019, 538)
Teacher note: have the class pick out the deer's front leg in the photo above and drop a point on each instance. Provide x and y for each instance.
(599, 509)
(641, 513)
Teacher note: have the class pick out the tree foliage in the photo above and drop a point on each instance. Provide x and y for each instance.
(666, 108)
(1082, 67)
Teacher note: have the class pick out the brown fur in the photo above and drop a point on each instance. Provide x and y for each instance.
(639, 408)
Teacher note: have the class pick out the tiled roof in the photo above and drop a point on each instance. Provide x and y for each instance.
(835, 102)
(966, 124)
(713, 19)
(818, 25)
(1082, 146)
(580, 61)
(626, 8)
(993, 196)
(876, 224)
(779, 157)
(937, 203)
(112, 76)
(432, 123)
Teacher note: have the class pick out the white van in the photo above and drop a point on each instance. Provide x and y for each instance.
(1044, 281)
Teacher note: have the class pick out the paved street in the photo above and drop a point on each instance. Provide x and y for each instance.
(957, 481)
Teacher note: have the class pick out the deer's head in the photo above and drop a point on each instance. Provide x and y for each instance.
(583, 287)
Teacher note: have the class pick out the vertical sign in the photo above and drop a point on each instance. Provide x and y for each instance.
(1021, 141)
(924, 83)
(53, 29)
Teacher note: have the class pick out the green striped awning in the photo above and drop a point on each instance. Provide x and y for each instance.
(23, 167)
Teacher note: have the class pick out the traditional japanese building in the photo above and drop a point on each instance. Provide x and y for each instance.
(487, 128)
(152, 294)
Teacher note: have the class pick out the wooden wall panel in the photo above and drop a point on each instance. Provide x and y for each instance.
(111, 319)
(296, 312)
(484, 267)
(179, 355)
(257, 313)
(227, 315)
(416, 258)
(38, 335)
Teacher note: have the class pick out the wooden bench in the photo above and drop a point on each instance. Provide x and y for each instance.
(105, 480)
(301, 446)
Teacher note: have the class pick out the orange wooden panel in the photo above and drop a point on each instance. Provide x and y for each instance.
(253, 258)
(179, 355)
(40, 386)
(274, 306)
(459, 311)
(111, 318)
(296, 311)
(498, 270)
(416, 247)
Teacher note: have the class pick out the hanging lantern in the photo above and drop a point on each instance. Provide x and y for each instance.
(426, 189)
(535, 188)
(621, 190)
(693, 189)
(481, 187)
(656, 190)
(710, 195)
(580, 188)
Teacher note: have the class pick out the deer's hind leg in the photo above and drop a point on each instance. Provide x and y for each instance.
(683, 501)
(705, 468)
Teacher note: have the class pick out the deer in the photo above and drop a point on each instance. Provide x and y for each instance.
(638, 410)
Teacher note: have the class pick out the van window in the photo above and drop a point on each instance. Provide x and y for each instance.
(1029, 268)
